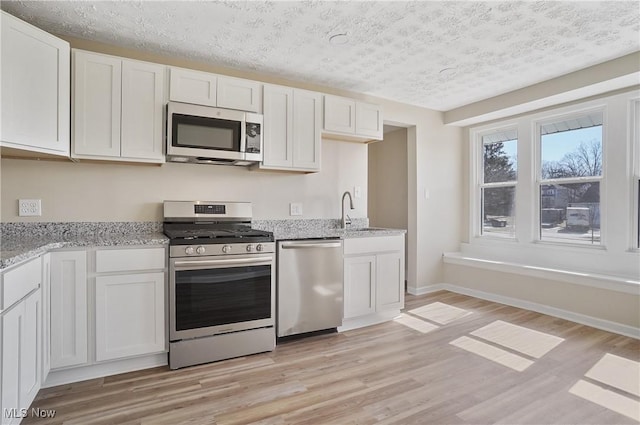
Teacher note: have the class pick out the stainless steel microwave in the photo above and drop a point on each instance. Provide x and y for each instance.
(208, 135)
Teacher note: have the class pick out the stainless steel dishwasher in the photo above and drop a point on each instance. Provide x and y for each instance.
(310, 286)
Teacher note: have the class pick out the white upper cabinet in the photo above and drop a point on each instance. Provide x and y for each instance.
(96, 104)
(142, 110)
(292, 123)
(203, 88)
(236, 93)
(278, 126)
(339, 114)
(190, 86)
(117, 108)
(307, 122)
(35, 89)
(369, 120)
(351, 119)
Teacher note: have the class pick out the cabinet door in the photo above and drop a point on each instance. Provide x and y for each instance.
(129, 315)
(389, 281)
(236, 93)
(35, 88)
(369, 120)
(192, 87)
(68, 308)
(359, 286)
(30, 349)
(306, 129)
(46, 321)
(12, 335)
(142, 110)
(339, 114)
(278, 126)
(20, 358)
(96, 104)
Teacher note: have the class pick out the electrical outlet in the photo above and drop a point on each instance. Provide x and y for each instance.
(295, 208)
(357, 192)
(29, 207)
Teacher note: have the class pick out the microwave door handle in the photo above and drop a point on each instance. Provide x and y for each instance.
(227, 262)
(243, 135)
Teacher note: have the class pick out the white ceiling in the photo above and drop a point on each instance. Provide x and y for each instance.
(396, 49)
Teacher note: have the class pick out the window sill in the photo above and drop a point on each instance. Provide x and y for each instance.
(610, 282)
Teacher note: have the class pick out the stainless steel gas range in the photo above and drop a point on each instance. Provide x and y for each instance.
(221, 282)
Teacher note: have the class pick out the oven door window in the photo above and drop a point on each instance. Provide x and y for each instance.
(222, 296)
(205, 133)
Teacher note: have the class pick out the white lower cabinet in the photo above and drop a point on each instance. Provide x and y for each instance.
(359, 285)
(129, 315)
(107, 311)
(46, 315)
(68, 309)
(373, 279)
(20, 339)
(21, 332)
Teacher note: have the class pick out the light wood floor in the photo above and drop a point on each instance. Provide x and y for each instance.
(388, 373)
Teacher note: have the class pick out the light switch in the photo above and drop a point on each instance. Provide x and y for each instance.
(357, 192)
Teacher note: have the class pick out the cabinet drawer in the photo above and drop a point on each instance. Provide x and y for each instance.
(20, 281)
(119, 260)
(373, 244)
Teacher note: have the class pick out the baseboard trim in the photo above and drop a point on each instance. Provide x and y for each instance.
(368, 320)
(82, 373)
(426, 289)
(594, 322)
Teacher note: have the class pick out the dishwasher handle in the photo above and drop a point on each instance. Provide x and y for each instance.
(303, 245)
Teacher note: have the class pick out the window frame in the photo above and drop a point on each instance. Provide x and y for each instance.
(539, 181)
(478, 184)
(634, 166)
(617, 254)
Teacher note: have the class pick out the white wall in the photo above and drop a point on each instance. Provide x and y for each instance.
(123, 192)
(603, 304)
(388, 177)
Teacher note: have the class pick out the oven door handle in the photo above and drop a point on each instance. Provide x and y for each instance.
(207, 264)
(295, 245)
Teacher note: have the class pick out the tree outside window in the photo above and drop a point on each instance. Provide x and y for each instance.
(498, 183)
(570, 176)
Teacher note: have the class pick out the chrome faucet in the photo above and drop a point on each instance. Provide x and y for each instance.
(346, 220)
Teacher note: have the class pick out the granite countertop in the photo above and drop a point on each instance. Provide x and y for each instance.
(337, 233)
(22, 242)
(322, 228)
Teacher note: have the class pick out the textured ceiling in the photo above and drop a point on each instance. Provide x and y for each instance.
(395, 50)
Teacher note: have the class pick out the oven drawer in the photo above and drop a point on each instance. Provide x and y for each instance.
(132, 259)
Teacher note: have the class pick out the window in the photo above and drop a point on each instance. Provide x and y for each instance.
(498, 183)
(570, 176)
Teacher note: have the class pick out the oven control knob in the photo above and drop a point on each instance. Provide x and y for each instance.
(189, 250)
(249, 248)
(259, 247)
(201, 250)
(226, 249)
